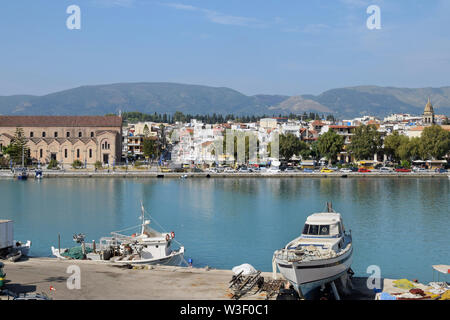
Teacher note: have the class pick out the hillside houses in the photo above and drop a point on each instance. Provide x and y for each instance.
(195, 142)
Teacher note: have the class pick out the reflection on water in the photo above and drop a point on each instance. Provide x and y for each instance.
(400, 224)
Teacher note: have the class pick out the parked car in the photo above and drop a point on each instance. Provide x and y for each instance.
(363, 170)
(229, 170)
(385, 169)
(440, 170)
(326, 170)
(308, 170)
(273, 170)
(289, 169)
(346, 170)
(421, 170)
(244, 170)
(402, 170)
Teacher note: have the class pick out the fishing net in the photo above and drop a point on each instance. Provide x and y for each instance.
(404, 284)
(75, 253)
(446, 295)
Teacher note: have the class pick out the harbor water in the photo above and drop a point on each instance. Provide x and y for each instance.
(399, 224)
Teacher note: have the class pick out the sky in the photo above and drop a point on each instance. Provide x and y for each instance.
(287, 47)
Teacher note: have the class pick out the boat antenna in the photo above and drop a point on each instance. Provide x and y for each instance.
(330, 207)
(142, 218)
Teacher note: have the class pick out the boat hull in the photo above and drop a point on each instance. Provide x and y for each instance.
(24, 248)
(308, 276)
(174, 259)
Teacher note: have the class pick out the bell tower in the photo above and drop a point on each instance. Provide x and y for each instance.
(428, 114)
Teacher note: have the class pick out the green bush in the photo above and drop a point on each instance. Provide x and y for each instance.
(139, 163)
(77, 164)
(4, 162)
(98, 165)
(405, 164)
(53, 164)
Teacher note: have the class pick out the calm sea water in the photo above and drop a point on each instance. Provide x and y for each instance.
(401, 225)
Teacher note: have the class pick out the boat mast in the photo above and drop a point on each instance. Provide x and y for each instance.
(142, 218)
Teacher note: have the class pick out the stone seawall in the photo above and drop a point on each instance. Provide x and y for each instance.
(152, 174)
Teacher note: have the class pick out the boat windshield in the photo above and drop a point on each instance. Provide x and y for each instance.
(316, 230)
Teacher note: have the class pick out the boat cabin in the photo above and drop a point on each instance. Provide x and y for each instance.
(325, 224)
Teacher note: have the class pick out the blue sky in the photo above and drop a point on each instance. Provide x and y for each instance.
(274, 47)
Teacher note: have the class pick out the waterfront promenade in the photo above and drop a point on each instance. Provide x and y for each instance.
(156, 174)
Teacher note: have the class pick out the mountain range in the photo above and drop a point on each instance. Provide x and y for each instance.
(197, 99)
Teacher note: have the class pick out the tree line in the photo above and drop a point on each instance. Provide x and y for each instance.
(434, 143)
(134, 117)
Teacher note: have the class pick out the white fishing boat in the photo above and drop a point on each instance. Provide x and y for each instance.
(320, 255)
(24, 248)
(148, 246)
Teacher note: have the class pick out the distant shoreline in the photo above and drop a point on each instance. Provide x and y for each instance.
(206, 175)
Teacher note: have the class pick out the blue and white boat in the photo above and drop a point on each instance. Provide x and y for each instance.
(38, 174)
(320, 255)
(22, 174)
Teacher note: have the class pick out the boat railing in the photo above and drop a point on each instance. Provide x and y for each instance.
(307, 254)
(105, 243)
(289, 254)
(122, 237)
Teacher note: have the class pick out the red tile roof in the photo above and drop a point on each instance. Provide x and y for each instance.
(60, 121)
(342, 127)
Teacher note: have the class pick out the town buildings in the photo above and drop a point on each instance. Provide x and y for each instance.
(102, 138)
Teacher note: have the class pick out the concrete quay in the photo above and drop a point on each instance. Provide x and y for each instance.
(152, 174)
(103, 281)
(108, 282)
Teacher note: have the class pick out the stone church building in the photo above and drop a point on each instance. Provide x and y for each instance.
(67, 138)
